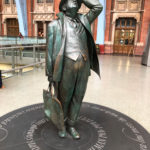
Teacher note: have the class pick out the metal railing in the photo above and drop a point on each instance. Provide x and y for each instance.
(20, 69)
(15, 56)
(5, 40)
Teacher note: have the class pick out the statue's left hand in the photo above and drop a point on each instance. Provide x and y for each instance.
(54, 88)
(50, 79)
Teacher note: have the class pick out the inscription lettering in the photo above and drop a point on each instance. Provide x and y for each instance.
(139, 138)
(29, 136)
(18, 114)
(102, 138)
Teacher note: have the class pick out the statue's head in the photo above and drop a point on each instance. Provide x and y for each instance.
(70, 7)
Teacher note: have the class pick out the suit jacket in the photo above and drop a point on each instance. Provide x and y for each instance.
(56, 39)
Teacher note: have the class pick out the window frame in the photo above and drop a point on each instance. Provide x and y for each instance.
(8, 2)
(49, 1)
(14, 2)
(40, 1)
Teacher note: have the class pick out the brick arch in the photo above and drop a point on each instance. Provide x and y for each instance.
(4, 20)
(9, 17)
(127, 15)
(124, 15)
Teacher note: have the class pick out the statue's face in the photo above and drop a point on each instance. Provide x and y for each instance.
(72, 8)
(71, 4)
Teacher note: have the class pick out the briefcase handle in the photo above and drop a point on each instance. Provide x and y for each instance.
(51, 89)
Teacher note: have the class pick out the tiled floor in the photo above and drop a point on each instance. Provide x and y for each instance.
(124, 86)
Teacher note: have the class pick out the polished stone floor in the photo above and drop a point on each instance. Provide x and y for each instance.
(124, 86)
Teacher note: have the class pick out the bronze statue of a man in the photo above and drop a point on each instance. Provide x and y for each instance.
(71, 53)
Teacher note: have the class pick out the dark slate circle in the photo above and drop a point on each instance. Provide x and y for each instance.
(101, 128)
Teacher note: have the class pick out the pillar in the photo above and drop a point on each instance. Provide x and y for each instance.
(56, 7)
(0, 26)
(136, 33)
(29, 17)
(36, 28)
(108, 20)
(101, 27)
(5, 27)
(44, 28)
(145, 22)
(0, 17)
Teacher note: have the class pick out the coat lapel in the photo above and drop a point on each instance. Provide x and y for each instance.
(60, 57)
(85, 22)
(59, 60)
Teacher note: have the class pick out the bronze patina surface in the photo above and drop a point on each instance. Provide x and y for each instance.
(71, 53)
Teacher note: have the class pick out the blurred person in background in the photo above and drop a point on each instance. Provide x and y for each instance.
(1, 83)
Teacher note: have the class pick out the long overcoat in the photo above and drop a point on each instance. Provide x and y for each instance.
(56, 42)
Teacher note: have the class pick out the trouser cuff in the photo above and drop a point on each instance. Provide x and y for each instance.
(71, 122)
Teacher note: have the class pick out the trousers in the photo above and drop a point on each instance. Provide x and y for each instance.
(72, 87)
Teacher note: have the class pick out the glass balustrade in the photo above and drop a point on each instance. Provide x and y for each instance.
(21, 54)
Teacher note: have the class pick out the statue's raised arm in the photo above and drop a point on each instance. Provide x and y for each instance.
(95, 9)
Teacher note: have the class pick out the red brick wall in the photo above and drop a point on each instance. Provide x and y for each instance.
(144, 28)
(0, 5)
(56, 7)
(29, 17)
(0, 17)
(95, 29)
(108, 49)
(30, 8)
(108, 15)
(145, 21)
(33, 25)
(139, 50)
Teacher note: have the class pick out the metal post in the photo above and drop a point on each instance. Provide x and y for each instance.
(3, 52)
(13, 59)
(20, 71)
(16, 40)
(20, 54)
(34, 54)
(20, 51)
(39, 55)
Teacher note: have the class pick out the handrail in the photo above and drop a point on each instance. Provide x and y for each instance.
(17, 47)
(20, 68)
(37, 37)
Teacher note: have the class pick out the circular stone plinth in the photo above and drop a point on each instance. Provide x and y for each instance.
(100, 128)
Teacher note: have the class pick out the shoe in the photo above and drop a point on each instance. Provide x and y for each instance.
(62, 134)
(74, 133)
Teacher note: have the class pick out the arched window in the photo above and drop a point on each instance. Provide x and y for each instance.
(7, 1)
(40, 1)
(12, 27)
(125, 23)
(49, 1)
(124, 35)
